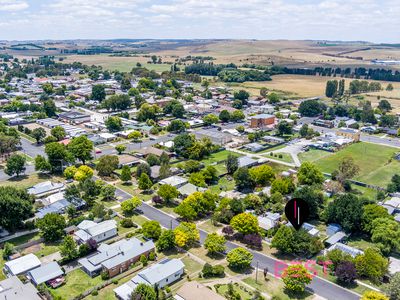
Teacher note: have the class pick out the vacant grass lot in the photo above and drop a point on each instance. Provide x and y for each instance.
(123, 64)
(376, 166)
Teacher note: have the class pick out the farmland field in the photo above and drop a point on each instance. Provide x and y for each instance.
(376, 165)
(123, 64)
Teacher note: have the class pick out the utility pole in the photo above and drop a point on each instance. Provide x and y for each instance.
(256, 271)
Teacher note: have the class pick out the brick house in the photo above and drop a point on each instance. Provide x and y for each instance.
(262, 120)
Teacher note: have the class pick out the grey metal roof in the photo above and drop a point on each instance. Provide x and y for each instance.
(337, 237)
(45, 187)
(246, 161)
(162, 270)
(23, 264)
(13, 289)
(45, 273)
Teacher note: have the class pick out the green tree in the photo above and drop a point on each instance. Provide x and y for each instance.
(144, 292)
(284, 128)
(148, 112)
(151, 230)
(262, 175)
(51, 227)
(57, 155)
(168, 192)
(15, 206)
(210, 119)
(384, 105)
(273, 98)
(371, 265)
(81, 148)
(176, 126)
(239, 258)
(347, 211)
(331, 88)
(283, 185)
(241, 95)
(314, 198)
(120, 148)
(224, 116)
(392, 289)
(68, 248)
(237, 115)
(8, 250)
(283, 239)
(38, 134)
(311, 108)
(370, 213)
(296, 277)
(15, 165)
(243, 180)
(347, 169)
(166, 240)
(107, 165)
(41, 164)
(58, 132)
(245, 223)
(129, 206)
(232, 163)
(83, 173)
(386, 234)
(98, 92)
(126, 174)
(135, 135)
(114, 124)
(108, 192)
(310, 174)
(215, 243)
(49, 108)
(145, 182)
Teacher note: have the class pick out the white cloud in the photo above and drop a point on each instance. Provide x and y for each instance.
(13, 5)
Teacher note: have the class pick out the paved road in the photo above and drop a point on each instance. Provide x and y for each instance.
(318, 286)
(388, 141)
(31, 149)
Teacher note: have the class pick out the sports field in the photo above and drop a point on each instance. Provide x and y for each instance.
(375, 162)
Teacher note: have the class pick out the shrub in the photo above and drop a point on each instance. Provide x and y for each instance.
(127, 223)
(143, 260)
(152, 256)
(94, 293)
(105, 275)
(115, 281)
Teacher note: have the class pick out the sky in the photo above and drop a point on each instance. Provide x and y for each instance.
(348, 20)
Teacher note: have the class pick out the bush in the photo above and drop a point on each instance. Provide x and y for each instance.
(105, 275)
(115, 281)
(213, 271)
(143, 260)
(126, 223)
(130, 234)
(152, 256)
(94, 293)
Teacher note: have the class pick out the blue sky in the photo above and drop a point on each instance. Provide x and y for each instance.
(368, 20)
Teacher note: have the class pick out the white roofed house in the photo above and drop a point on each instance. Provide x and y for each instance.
(346, 249)
(162, 274)
(22, 265)
(13, 289)
(175, 181)
(89, 230)
(45, 188)
(269, 220)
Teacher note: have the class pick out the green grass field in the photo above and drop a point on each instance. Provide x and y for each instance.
(77, 282)
(375, 162)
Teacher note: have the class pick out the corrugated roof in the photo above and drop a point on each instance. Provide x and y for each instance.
(45, 273)
(23, 264)
(161, 270)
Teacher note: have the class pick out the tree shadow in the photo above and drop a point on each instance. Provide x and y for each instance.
(298, 295)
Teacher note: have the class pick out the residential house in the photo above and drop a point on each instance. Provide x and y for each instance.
(216, 137)
(89, 230)
(162, 274)
(189, 189)
(152, 150)
(127, 160)
(254, 147)
(45, 273)
(117, 257)
(22, 265)
(394, 265)
(262, 120)
(13, 289)
(269, 220)
(45, 188)
(194, 290)
(392, 205)
(176, 181)
(74, 117)
(338, 237)
(246, 161)
(331, 229)
(346, 249)
(349, 133)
